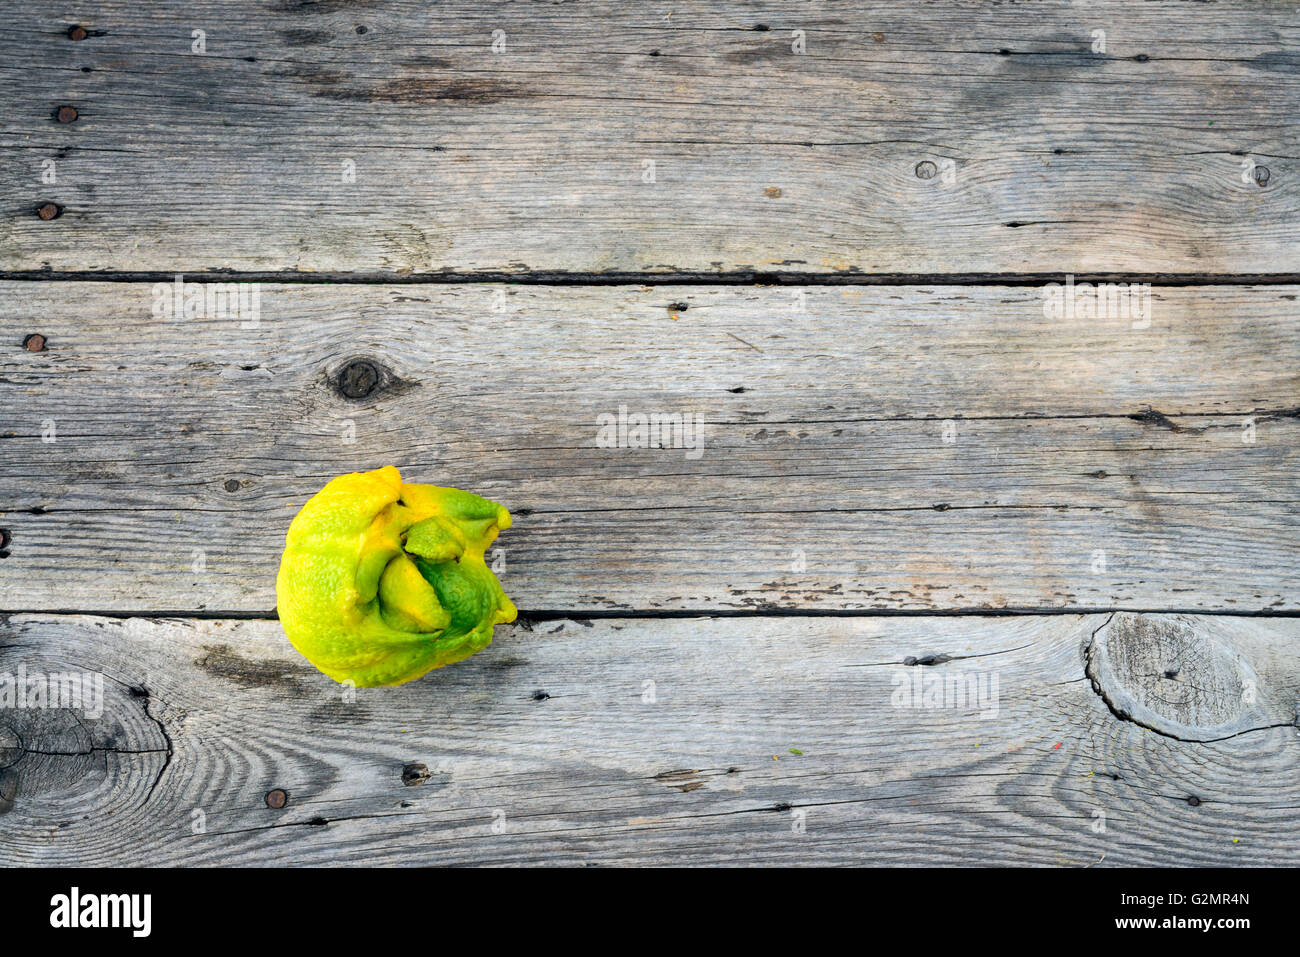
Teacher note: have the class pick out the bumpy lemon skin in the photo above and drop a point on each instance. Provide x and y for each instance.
(363, 608)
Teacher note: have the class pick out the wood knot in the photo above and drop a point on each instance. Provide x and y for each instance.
(416, 774)
(358, 379)
(11, 747)
(8, 790)
(926, 659)
(1182, 676)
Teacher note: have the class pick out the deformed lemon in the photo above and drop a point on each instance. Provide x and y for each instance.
(382, 581)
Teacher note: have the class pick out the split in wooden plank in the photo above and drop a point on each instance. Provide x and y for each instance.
(886, 448)
(801, 741)
(601, 137)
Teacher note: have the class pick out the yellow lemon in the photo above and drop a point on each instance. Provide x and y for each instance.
(382, 581)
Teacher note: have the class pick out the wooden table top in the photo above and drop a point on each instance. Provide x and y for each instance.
(984, 547)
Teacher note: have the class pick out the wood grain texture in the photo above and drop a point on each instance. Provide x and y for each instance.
(1092, 465)
(963, 138)
(556, 735)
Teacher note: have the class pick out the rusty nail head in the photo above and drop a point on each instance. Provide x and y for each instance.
(34, 343)
(277, 798)
(77, 33)
(66, 114)
(49, 211)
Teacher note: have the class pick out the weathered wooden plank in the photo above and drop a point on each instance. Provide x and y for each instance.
(179, 451)
(960, 138)
(643, 741)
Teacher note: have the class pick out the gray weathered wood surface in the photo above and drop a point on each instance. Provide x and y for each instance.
(952, 137)
(554, 736)
(1124, 495)
(823, 481)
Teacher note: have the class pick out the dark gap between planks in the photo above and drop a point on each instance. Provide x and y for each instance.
(742, 277)
(549, 614)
